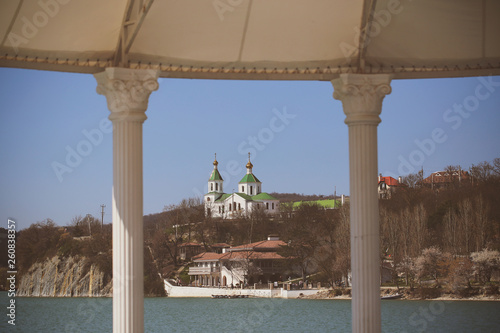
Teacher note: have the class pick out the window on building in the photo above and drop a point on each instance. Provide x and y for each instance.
(230, 206)
(211, 186)
(234, 205)
(239, 206)
(219, 209)
(273, 206)
(243, 189)
(216, 186)
(267, 205)
(251, 190)
(223, 209)
(208, 199)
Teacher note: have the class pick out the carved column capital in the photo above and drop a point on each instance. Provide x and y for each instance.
(362, 96)
(127, 91)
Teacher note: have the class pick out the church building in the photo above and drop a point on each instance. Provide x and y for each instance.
(248, 199)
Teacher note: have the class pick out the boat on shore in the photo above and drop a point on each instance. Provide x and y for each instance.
(229, 296)
(395, 296)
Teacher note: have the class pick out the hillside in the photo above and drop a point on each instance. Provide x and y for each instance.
(445, 237)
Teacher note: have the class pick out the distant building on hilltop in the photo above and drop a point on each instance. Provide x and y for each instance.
(441, 179)
(239, 204)
(387, 186)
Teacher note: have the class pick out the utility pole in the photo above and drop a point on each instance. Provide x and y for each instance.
(335, 198)
(102, 215)
(88, 222)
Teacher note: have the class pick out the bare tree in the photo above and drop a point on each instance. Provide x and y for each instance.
(481, 213)
(481, 172)
(461, 271)
(430, 264)
(406, 266)
(466, 220)
(486, 262)
(496, 166)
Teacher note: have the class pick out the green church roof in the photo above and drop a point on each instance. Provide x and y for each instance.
(263, 196)
(249, 178)
(244, 196)
(260, 196)
(223, 197)
(215, 175)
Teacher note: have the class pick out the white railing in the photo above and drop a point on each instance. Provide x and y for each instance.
(234, 273)
(202, 270)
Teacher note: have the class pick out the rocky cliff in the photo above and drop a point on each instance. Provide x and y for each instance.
(71, 276)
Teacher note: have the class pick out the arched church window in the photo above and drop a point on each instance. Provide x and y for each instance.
(211, 187)
(243, 189)
(216, 186)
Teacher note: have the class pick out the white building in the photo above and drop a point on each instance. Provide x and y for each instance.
(257, 262)
(249, 197)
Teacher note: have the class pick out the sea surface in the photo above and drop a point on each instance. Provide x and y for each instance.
(248, 315)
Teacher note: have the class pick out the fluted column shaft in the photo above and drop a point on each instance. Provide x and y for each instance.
(127, 92)
(361, 97)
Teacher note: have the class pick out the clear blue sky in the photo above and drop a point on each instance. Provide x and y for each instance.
(43, 114)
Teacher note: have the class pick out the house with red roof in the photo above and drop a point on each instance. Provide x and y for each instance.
(256, 262)
(387, 186)
(441, 179)
(247, 199)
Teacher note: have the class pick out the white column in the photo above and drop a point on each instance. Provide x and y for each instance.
(361, 97)
(127, 92)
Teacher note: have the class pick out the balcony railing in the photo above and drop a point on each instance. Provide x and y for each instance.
(202, 270)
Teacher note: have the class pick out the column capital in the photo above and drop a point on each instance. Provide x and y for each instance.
(361, 96)
(127, 91)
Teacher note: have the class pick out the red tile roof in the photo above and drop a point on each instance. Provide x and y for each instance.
(389, 181)
(212, 256)
(221, 245)
(259, 246)
(206, 256)
(251, 255)
(446, 177)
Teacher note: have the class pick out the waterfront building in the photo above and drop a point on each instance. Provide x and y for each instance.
(256, 262)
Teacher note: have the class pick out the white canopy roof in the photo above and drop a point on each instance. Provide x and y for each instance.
(255, 39)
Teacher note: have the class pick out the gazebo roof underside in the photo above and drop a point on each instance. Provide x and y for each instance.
(255, 39)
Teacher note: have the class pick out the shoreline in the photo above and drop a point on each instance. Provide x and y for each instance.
(328, 294)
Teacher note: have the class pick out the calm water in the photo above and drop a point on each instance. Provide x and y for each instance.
(249, 315)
